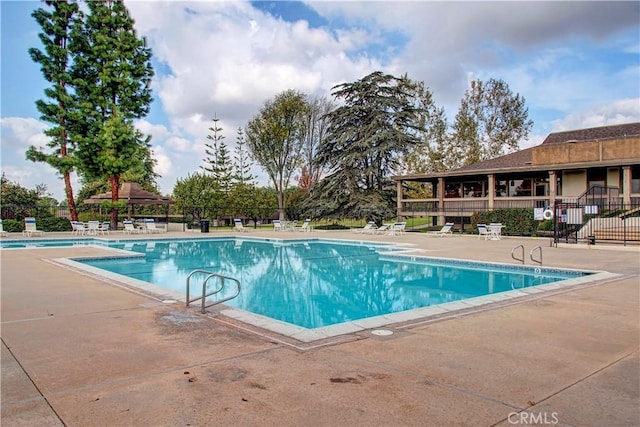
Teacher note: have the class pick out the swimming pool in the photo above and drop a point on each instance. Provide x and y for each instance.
(327, 287)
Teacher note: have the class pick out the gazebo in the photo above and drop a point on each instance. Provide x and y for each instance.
(132, 194)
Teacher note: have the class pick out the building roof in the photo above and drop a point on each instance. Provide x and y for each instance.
(593, 134)
(132, 194)
(522, 159)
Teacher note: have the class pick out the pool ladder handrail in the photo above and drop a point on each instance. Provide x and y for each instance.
(206, 294)
(537, 261)
(513, 255)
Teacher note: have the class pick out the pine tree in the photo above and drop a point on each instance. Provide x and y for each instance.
(242, 164)
(56, 108)
(218, 161)
(112, 73)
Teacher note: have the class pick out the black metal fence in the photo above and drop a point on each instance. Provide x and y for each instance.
(596, 221)
(590, 219)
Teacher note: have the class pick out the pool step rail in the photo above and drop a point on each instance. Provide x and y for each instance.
(531, 254)
(206, 293)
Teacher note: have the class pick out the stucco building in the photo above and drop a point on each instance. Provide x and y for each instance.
(602, 162)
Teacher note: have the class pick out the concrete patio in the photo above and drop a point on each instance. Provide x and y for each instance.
(78, 351)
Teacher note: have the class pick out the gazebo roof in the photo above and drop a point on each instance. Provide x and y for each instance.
(132, 194)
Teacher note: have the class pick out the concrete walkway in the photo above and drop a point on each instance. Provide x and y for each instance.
(77, 351)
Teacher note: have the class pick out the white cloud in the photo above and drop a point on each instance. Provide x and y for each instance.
(227, 58)
(19, 133)
(615, 113)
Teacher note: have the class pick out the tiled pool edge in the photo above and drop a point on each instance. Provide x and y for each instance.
(304, 335)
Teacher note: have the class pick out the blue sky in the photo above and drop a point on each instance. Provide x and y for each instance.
(577, 64)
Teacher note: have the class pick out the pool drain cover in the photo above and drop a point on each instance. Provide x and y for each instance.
(381, 332)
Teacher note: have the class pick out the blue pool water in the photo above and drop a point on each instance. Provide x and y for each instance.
(314, 283)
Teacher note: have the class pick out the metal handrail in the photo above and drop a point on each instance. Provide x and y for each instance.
(531, 255)
(513, 253)
(206, 294)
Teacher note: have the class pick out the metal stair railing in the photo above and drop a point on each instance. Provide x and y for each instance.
(222, 280)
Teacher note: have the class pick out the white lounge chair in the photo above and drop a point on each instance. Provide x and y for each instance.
(306, 226)
(237, 225)
(444, 231)
(150, 226)
(2, 232)
(105, 227)
(383, 229)
(30, 228)
(367, 228)
(129, 228)
(277, 225)
(483, 231)
(397, 228)
(78, 228)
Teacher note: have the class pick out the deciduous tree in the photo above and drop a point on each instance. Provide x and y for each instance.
(275, 138)
(491, 121)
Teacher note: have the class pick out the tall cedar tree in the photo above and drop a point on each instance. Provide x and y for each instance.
(112, 72)
(377, 123)
(275, 137)
(491, 121)
(54, 64)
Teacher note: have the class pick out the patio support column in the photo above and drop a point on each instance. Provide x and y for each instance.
(441, 215)
(491, 191)
(553, 181)
(626, 185)
(399, 198)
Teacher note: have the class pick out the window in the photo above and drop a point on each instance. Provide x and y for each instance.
(519, 187)
(635, 179)
(452, 189)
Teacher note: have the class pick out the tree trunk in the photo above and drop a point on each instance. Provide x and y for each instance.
(69, 192)
(115, 186)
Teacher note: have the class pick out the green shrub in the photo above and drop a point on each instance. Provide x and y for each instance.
(546, 225)
(333, 226)
(516, 222)
(12, 225)
(51, 223)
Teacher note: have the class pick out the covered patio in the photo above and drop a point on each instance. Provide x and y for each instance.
(133, 195)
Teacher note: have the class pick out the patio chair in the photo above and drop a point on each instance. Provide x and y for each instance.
(383, 229)
(2, 232)
(397, 228)
(237, 225)
(366, 229)
(483, 231)
(306, 226)
(150, 226)
(277, 225)
(495, 230)
(129, 228)
(30, 228)
(444, 231)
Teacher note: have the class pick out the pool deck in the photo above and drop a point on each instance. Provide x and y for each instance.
(78, 351)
